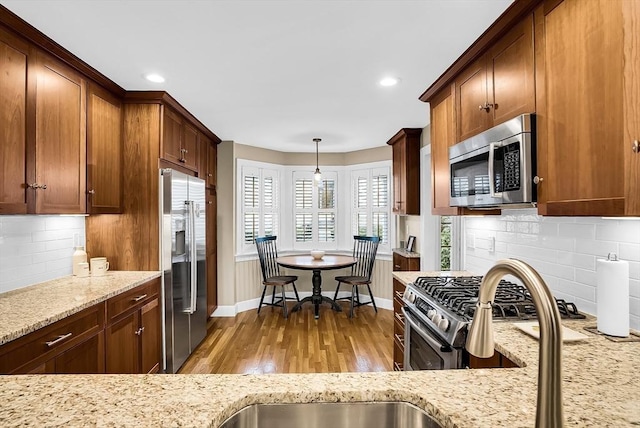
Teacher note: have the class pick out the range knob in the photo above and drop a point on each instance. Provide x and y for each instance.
(443, 324)
(431, 313)
(436, 319)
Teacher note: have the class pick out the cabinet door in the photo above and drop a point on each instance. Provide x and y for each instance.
(442, 137)
(211, 160)
(60, 139)
(87, 357)
(104, 152)
(631, 99)
(123, 345)
(580, 140)
(14, 67)
(150, 337)
(470, 97)
(212, 253)
(399, 177)
(190, 155)
(511, 71)
(171, 136)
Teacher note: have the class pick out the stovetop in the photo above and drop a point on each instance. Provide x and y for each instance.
(446, 304)
(512, 301)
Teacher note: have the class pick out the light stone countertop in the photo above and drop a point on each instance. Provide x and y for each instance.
(406, 254)
(601, 388)
(27, 309)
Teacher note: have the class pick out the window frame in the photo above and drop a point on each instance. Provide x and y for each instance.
(368, 171)
(262, 171)
(315, 210)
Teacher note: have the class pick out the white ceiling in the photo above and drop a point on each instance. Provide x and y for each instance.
(275, 74)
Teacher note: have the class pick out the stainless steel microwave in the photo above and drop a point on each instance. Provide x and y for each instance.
(495, 168)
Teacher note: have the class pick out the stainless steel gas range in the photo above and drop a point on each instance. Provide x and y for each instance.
(439, 309)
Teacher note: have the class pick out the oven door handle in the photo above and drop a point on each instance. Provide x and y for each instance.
(436, 344)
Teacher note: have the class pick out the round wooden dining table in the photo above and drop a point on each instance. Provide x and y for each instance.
(306, 262)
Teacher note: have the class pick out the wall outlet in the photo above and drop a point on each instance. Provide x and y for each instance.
(491, 244)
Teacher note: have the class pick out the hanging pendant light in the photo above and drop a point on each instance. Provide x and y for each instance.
(317, 175)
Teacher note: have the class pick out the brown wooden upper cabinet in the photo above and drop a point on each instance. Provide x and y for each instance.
(442, 137)
(59, 184)
(104, 152)
(406, 171)
(179, 141)
(209, 158)
(42, 118)
(588, 74)
(499, 85)
(15, 56)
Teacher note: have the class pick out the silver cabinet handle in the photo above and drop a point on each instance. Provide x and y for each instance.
(137, 299)
(486, 107)
(139, 331)
(58, 340)
(37, 186)
(91, 192)
(636, 146)
(537, 180)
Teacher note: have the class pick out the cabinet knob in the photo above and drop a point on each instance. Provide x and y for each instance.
(537, 180)
(486, 107)
(91, 192)
(635, 147)
(211, 175)
(139, 331)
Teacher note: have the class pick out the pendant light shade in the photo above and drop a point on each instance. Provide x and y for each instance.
(317, 175)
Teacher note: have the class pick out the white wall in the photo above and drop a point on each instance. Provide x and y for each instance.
(36, 248)
(563, 249)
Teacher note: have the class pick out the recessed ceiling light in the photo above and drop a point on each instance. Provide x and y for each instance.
(155, 78)
(389, 81)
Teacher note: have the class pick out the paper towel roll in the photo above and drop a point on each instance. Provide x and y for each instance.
(612, 298)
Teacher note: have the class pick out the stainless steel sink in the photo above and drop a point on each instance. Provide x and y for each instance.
(334, 415)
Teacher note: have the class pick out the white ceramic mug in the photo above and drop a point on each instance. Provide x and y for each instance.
(83, 270)
(99, 266)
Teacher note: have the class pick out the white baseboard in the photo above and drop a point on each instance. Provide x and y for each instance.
(247, 305)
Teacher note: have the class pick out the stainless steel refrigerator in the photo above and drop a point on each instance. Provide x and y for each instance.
(183, 265)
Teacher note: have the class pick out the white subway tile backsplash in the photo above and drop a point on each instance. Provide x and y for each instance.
(629, 252)
(36, 248)
(619, 230)
(596, 248)
(563, 249)
(574, 230)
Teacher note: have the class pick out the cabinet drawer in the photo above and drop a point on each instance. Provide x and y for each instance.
(35, 348)
(132, 299)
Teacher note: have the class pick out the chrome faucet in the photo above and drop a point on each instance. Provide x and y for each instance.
(480, 340)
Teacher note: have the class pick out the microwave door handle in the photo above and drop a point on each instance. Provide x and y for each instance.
(492, 178)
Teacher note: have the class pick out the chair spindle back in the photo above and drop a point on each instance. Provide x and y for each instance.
(268, 252)
(364, 249)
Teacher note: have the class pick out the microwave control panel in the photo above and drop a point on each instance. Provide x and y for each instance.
(511, 168)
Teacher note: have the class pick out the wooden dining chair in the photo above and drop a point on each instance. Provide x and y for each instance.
(364, 250)
(268, 252)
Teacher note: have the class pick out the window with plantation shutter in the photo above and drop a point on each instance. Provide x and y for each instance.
(371, 216)
(260, 208)
(315, 206)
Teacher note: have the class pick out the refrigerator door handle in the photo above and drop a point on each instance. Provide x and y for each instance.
(193, 257)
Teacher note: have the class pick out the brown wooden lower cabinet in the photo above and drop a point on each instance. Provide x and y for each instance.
(496, 361)
(81, 344)
(133, 334)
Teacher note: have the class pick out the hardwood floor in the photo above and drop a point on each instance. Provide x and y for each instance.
(267, 343)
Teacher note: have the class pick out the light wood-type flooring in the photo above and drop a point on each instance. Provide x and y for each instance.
(267, 343)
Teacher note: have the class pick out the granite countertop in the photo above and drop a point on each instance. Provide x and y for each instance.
(406, 254)
(600, 388)
(28, 309)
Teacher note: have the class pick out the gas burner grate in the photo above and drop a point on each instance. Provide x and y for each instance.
(512, 301)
